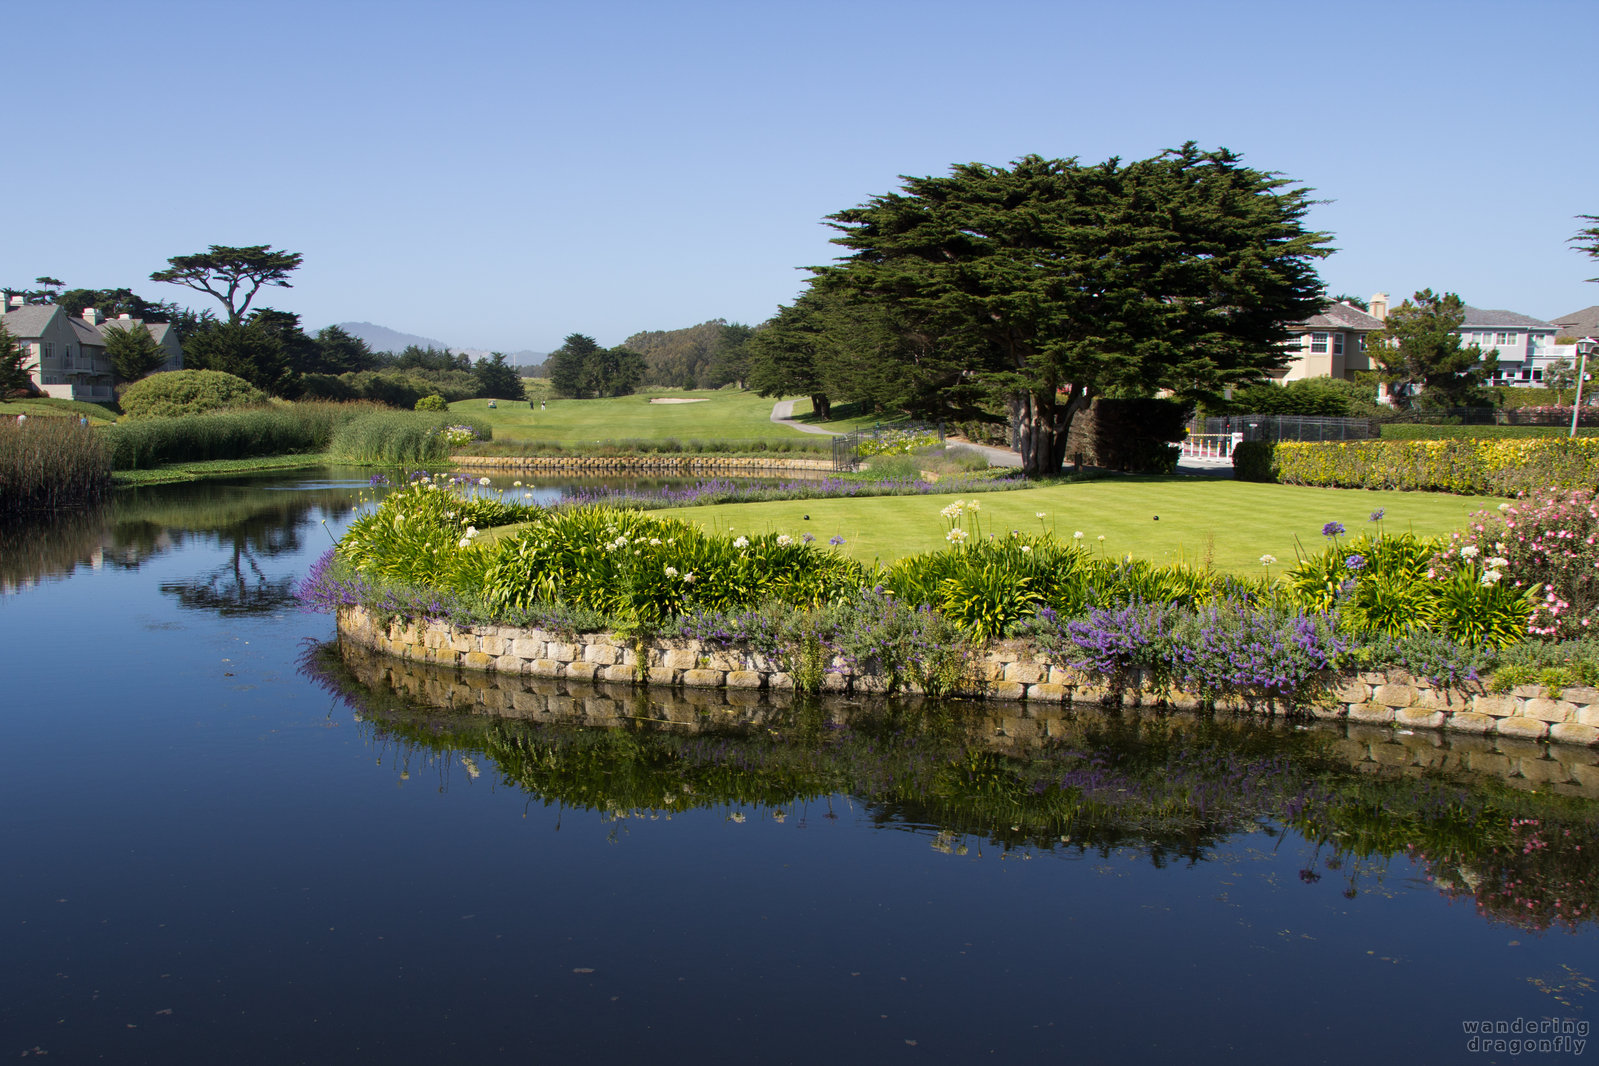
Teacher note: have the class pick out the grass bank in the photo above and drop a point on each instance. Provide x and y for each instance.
(198, 471)
(44, 407)
(716, 415)
(1230, 523)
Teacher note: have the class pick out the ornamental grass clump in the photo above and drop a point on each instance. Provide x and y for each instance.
(51, 464)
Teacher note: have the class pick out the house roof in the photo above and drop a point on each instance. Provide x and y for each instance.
(1478, 318)
(30, 321)
(1341, 316)
(1579, 324)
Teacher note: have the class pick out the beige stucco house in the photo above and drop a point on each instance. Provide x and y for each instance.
(68, 352)
(1332, 344)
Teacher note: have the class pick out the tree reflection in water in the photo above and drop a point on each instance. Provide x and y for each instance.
(1034, 780)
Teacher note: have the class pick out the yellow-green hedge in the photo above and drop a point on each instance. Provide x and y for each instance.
(1488, 467)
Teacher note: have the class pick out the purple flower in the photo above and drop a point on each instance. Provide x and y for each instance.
(1356, 562)
(379, 479)
(1332, 529)
(1376, 516)
(835, 540)
(807, 538)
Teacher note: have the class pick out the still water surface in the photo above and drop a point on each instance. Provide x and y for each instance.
(224, 842)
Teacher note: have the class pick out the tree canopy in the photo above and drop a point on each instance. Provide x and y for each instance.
(232, 275)
(133, 351)
(1420, 358)
(15, 368)
(580, 368)
(498, 379)
(1060, 282)
(1586, 240)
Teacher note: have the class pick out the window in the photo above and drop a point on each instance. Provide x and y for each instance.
(1338, 344)
(1505, 339)
(1537, 373)
(1318, 342)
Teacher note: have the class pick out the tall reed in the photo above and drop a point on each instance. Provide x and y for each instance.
(278, 430)
(398, 437)
(51, 464)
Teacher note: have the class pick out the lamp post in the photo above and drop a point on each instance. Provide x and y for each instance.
(1585, 347)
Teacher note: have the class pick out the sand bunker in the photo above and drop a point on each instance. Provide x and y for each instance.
(673, 399)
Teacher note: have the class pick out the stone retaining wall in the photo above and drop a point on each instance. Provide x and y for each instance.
(1008, 726)
(681, 465)
(1007, 671)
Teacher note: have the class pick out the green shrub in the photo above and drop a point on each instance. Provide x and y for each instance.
(1491, 467)
(50, 464)
(435, 402)
(188, 392)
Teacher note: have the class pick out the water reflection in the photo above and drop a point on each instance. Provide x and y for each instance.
(1508, 824)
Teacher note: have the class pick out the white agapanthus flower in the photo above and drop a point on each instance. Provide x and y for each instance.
(954, 510)
(1027, 549)
(784, 540)
(671, 571)
(955, 536)
(1078, 535)
(1267, 559)
(742, 542)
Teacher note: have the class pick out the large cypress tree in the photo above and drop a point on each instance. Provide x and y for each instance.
(1063, 282)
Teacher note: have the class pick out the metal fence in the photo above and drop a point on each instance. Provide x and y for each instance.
(847, 448)
(1286, 427)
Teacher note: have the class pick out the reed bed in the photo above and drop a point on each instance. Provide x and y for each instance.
(51, 464)
(402, 437)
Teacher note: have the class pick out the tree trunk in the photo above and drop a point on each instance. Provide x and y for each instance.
(1042, 424)
(822, 406)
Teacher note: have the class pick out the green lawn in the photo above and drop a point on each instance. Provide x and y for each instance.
(722, 414)
(98, 414)
(1231, 522)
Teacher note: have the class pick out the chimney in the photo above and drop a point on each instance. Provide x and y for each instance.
(1379, 306)
(124, 318)
(16, 301)
(92, 316)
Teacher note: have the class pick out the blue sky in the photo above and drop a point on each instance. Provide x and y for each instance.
(498, 175)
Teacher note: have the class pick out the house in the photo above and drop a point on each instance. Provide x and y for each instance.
(1526, 345)
(1332, 344)
(1578, 324)
(68, 352)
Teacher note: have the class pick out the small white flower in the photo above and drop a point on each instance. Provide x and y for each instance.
(466, 542)
(688, 578)
(655, 542)
(483, 481)
(784, 540)
(1468, 552)
(671, 571)
(1038, 514)
(1027, 549)
(1268, 559)
(527, 495)
(955, 536)
(1491, 577)
(741, 542)
(516, 484)
(974, 505)
(1101, 536)
(471, 531)
(1504, 507)
(1078, 535)
(1495, 562)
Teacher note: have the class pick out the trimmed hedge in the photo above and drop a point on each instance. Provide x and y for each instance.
(1468, 467)
(177, 393)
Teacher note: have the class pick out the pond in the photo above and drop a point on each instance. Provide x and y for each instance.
(229, 839)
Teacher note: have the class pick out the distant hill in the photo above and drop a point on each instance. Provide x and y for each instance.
(384, 339)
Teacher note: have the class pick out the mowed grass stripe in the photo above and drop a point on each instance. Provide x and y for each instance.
(1232, 523)
(722, 414)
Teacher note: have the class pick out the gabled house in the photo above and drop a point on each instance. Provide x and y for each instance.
(1578, 324)
(1526, 345)
(1332, 343)
(68, 352)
